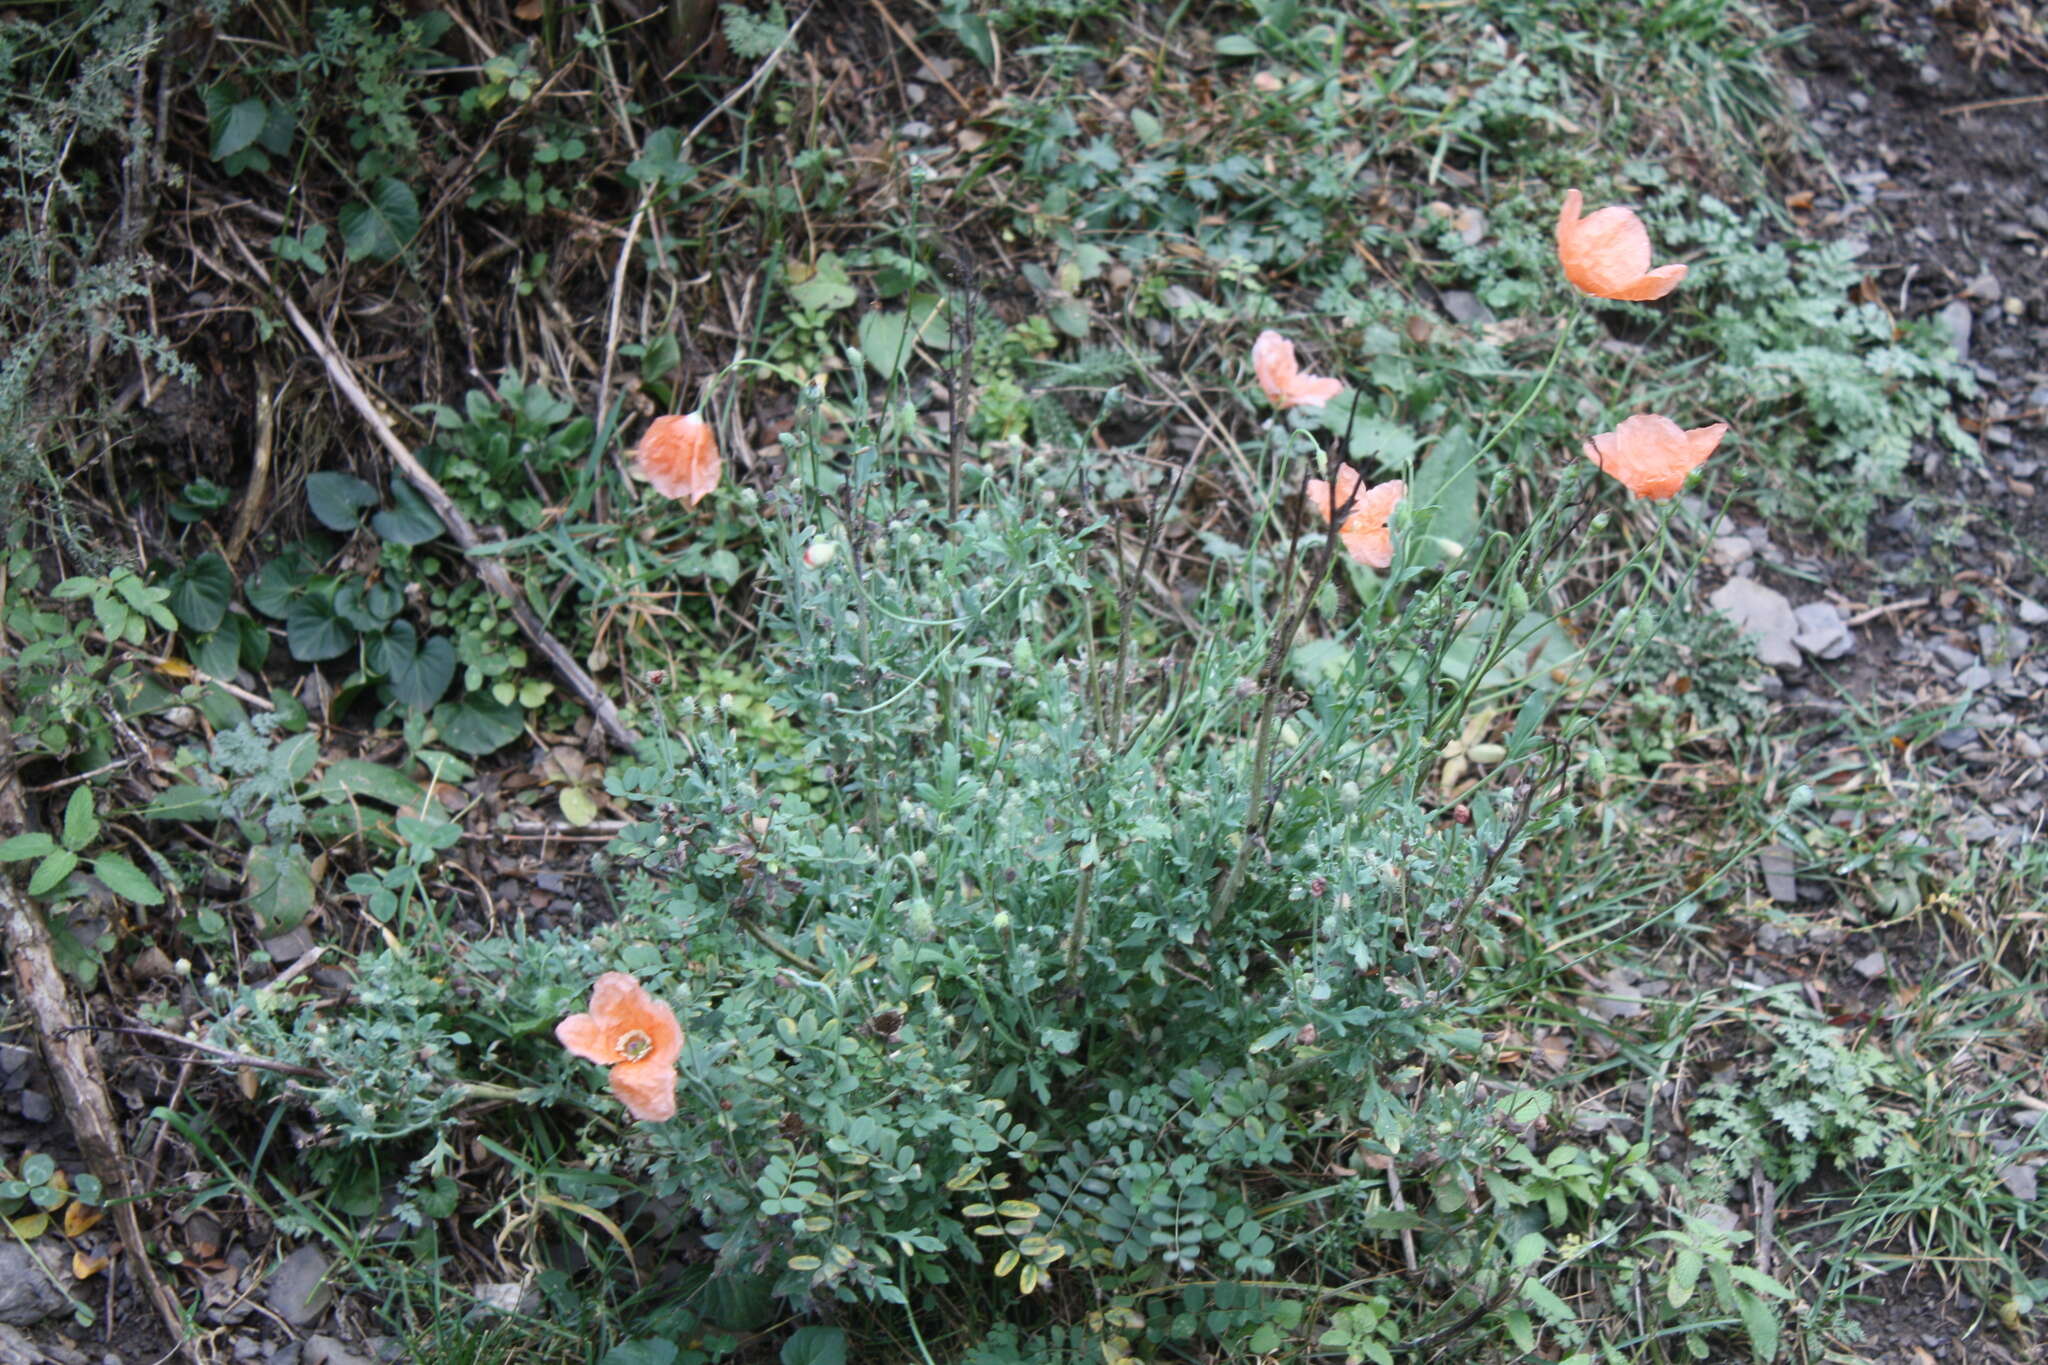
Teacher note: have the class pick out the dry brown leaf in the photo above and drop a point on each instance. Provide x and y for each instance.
(80, 1219)
(84, 1267)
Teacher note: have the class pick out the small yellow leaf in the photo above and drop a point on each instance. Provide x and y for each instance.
(79, 1219)
(176, 668)
(804, 1263)
(1006, 1263)
(1018, 1208)
(1029, 1278)
(84, 1267)
(60, 1181)
(579, 807)
(30, 1226)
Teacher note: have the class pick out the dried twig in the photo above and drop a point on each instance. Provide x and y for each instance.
(488, 568)
(267, 400)
(81, 1083)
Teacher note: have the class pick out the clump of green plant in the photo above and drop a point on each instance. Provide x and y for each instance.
(1816, 1098)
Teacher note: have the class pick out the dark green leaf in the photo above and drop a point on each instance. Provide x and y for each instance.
(23, 847)
(52, 871)
(815, 1346)
(201, 591)
(313, 632)
(423, 679)
(126, 880)
(338, 499)
(253, 640)
(380, 229)
(409, 521)
(660, 161)
(272, 589)
(360, 778)
(218, 654)
(279, 884)
(641, 1351)
(478, 724)
(185, 802)
(81, 822)
(973, 32)
(238, 126)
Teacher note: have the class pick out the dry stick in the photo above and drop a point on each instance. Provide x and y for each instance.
(81, 1083)
(489, 569)
(259, 477)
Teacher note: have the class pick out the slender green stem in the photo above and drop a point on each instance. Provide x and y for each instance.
(1078, 933)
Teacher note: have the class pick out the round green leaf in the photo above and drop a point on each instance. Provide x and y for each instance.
(379, 230)
(201, 592)
(408, 521)
(237, 126)
(314, 633)
(279, 884)
(579, 808)
(338, 499)
(478, 724)
(423, 679)
(815, 1346)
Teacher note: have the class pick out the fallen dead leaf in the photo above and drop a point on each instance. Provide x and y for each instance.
(80, 1219)
(84, 1267)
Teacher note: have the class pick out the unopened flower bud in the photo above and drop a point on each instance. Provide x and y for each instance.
(819, 553)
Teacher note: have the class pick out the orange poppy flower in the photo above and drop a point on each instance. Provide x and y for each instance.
(1607, 254)
(1364, 532)
(636, 1036)
(1652, 455)
(679, 456)
(1279, 374)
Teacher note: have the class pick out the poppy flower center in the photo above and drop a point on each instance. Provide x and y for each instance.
(635, 1045)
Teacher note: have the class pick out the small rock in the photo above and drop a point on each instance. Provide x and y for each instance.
(2028, 745)
(1870, 966)
(26, 1293)
(1465, 307)
(324, 1350)
(13, 1058)
(1956, 659)
(1823, 632)
(1985, 287)
(2032, 612)
(290, 946)
(1974, 678)
(1956, 317)
(1776, 862)
(1763, 613)
(2020, 1178)
(1728, 551)
(289, 1353)
(297, 1290)
(1956, 740)
(36, 1107)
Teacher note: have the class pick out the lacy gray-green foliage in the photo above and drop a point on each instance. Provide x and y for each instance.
(961, 989)
(65, 282)
(1818, 1098)
(1835, 391)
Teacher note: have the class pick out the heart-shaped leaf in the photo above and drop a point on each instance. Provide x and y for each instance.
(380, 229)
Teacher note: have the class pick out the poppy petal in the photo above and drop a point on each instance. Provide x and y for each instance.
(587, 1038)
(648, 1091)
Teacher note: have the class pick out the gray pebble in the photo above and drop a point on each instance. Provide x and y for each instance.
(297, 1290)
(36, 1107)
(26, 1293)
